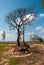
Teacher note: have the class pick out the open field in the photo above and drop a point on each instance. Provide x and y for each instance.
(36, 58)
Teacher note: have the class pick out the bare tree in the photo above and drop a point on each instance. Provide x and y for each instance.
(30, 19)
(19, 18)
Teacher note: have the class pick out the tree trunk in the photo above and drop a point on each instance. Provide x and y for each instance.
(18, 38)
(23, 35)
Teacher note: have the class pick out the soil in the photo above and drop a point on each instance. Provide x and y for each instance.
(37, 51)
(24, 51)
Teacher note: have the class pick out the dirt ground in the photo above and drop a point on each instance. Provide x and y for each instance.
(36, 57)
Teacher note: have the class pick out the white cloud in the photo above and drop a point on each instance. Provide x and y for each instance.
(30, 16)
(1, 31)
(38, 28)
(42, 15)
(11, 37)
(31, 33)
(18, 20)
(42, 31)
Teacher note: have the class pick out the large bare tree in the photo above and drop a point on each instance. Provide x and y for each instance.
(19, 18)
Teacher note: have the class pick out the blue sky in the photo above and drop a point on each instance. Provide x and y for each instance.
(37, 26)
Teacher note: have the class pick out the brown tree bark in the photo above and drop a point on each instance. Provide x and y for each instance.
(18, 38)
(23, 36)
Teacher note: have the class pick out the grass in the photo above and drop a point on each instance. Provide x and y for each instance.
(15, 61)
(2, 47)
(30, 60)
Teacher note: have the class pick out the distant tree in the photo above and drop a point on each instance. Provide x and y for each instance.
(41, 40)
(3, 35)
(19, 18)
(36, 38)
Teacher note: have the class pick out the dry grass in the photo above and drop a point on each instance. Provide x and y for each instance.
(37, 57)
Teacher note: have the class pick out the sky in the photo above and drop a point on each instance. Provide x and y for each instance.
(37, 26)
